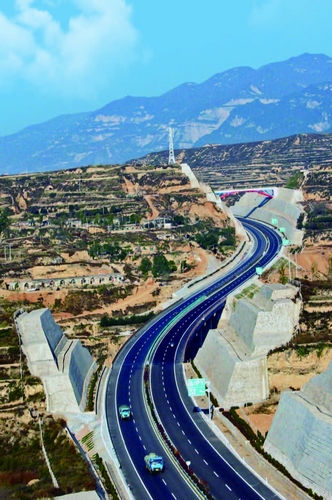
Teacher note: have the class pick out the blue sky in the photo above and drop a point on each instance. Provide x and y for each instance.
(68, 56)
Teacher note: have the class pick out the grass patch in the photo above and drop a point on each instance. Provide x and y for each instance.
(248, 292)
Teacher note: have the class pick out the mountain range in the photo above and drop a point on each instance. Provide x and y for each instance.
(240, 105)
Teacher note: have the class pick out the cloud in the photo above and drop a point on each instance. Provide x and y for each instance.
(265, 12)
(72, 59)
(276, 13)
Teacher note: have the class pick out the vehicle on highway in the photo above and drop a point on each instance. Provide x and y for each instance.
(154, 463)
(124, 412)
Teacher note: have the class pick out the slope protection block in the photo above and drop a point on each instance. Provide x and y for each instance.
(300, 438)
(64, 365)
(234, 356)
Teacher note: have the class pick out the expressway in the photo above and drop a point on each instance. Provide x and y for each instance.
(162, 344)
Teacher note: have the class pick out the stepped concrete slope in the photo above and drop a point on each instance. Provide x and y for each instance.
(301, 434)
(64, 366)
(285, 207)
(234, 356)
(270, 318)
(211, 196)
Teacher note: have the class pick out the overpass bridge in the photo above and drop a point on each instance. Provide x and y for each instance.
(269, 192)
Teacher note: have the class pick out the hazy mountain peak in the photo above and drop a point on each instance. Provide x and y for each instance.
(238, 105)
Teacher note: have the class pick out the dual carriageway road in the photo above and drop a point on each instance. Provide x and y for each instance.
(161, 344)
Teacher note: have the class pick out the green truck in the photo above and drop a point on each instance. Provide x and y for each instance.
(154, 463)
(124, 412)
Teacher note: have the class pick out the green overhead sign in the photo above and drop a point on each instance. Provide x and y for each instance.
(196, 387)
(282, 229)
(259, 271)
(285, 242)
(275, 222)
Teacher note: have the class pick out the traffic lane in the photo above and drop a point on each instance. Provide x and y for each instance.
(274, 238)
(158, 325)
(207, 433)
(191, 443)
(172, 402)
(201, 312)
(208, 468)
(138, 440)
(133, 440)
(167, 484)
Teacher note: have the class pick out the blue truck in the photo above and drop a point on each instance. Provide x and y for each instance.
(154, 463)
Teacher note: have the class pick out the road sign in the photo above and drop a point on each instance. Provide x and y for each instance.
(285, 242)
(282, 229)
(274, 222)
(259, 271)
(196, 387)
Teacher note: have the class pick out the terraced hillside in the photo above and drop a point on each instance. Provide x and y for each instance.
(145, 223)
(244, 165)
(62, 236)
(103, 220)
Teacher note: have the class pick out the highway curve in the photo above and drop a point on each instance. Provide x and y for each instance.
(210, 460)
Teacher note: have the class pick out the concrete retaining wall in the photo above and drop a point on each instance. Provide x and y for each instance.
(301, 439)
(234, 380)
(319, 391)
(268, 323)
(64, 366)
(39, 351)
(284, 207)
(81, 367)
(52, 331)
(186, 170)
(234, 357)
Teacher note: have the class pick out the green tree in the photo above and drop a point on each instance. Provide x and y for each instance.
(145, 266)
(95, 249)
(178, 220)
(161, 267)
(282, 271)
(208, 240)
(184, 266)
(172, 266)
(135, 219)
(97, 219)
(4, 220)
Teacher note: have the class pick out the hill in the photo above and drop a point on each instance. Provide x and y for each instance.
(269, 163)
(94, 221)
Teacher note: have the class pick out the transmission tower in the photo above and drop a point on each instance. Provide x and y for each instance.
(171, 157)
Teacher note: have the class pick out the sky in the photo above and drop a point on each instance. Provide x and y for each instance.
(70, 56)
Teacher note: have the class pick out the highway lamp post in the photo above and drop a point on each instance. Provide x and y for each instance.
(201, 331)
(208, 390)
